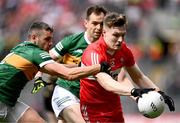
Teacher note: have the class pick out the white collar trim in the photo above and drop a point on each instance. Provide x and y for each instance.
(86, 39)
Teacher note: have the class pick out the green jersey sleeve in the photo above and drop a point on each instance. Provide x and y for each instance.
(41, 58)
(61, 48)
(66, 44)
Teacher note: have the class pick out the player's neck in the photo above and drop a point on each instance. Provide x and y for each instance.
(110, 52)
(91, 39)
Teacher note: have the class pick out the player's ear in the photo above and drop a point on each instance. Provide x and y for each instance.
(33, 37)
(86, 23)
(104, 31)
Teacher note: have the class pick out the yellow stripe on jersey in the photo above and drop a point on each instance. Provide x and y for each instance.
(23, 64)
(69, 59)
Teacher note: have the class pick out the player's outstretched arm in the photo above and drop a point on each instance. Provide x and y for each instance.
(60, 70)
(122, 89)
(139, 78)
(109, 84)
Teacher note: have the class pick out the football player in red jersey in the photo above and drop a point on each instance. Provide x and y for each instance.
(99, 94)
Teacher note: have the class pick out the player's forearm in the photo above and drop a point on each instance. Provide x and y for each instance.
(70, 65)
(70, 73)
(128, 82)
(140, 78)
(81, 72)
(145, 82)
(111, 85)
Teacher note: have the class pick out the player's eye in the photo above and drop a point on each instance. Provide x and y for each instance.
(116, 35)
(48, 39)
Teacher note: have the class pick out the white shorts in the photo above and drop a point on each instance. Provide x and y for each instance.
(61, 99)
(13, 114)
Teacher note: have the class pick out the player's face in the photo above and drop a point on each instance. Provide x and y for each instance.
(94, 26)
(45, 40)
(114, 37)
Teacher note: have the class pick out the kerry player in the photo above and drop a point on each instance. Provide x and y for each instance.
(20, 66)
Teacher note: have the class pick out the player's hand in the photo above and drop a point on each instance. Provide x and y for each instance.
(38, 84)
(168, 100)
(105, 67)
(138, 92)
(79, 64)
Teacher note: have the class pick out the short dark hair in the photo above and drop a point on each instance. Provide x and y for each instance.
(40, 26)
(114, 19)
(95, 9)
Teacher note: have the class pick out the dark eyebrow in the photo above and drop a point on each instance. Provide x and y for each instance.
(49, 37)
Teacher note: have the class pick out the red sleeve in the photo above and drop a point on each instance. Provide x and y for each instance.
(129, 58)
(90, 57)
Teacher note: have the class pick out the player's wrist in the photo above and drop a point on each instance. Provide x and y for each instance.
(134, 92)
(138, 92)
(105, 67)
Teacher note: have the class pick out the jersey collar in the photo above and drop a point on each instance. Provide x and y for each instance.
(29, 43)
(86, 39)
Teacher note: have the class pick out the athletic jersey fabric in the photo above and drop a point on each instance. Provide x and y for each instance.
(70, 50)
(18, 67)
(91, 93)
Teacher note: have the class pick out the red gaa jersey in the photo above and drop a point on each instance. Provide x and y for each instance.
(95, 53)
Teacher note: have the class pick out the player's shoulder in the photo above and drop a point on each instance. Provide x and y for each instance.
(76, 36)
(31, 47)
(25, 46)
(72, 40)
(125, 49)
(81, 34)
(92, 48)
(26, 43)
(124, 46)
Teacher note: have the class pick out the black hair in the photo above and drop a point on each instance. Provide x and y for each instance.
(95, 9)
(115, 20)
(40, 26)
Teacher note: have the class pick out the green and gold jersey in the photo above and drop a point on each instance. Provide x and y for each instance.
(18, 67)
(70, 50)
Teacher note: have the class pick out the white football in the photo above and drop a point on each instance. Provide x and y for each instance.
(151, 104)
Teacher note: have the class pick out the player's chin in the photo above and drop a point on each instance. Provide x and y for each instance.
(97, 35)
(116, 47)
(47, 49)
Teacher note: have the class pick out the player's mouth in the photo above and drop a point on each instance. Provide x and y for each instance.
(118, 46)
(97, 33)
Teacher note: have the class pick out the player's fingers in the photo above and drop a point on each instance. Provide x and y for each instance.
(169, 101)
(149, 89)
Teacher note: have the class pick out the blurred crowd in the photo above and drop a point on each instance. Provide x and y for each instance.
(153, 31)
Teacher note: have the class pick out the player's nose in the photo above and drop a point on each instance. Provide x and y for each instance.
(120, 39)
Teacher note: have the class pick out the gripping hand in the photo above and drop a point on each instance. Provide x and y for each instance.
(168, 100)
(38, 84)
(138, 92)
(105, 67)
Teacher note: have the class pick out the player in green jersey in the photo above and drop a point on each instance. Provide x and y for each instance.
(21, 65)
(65, 99)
